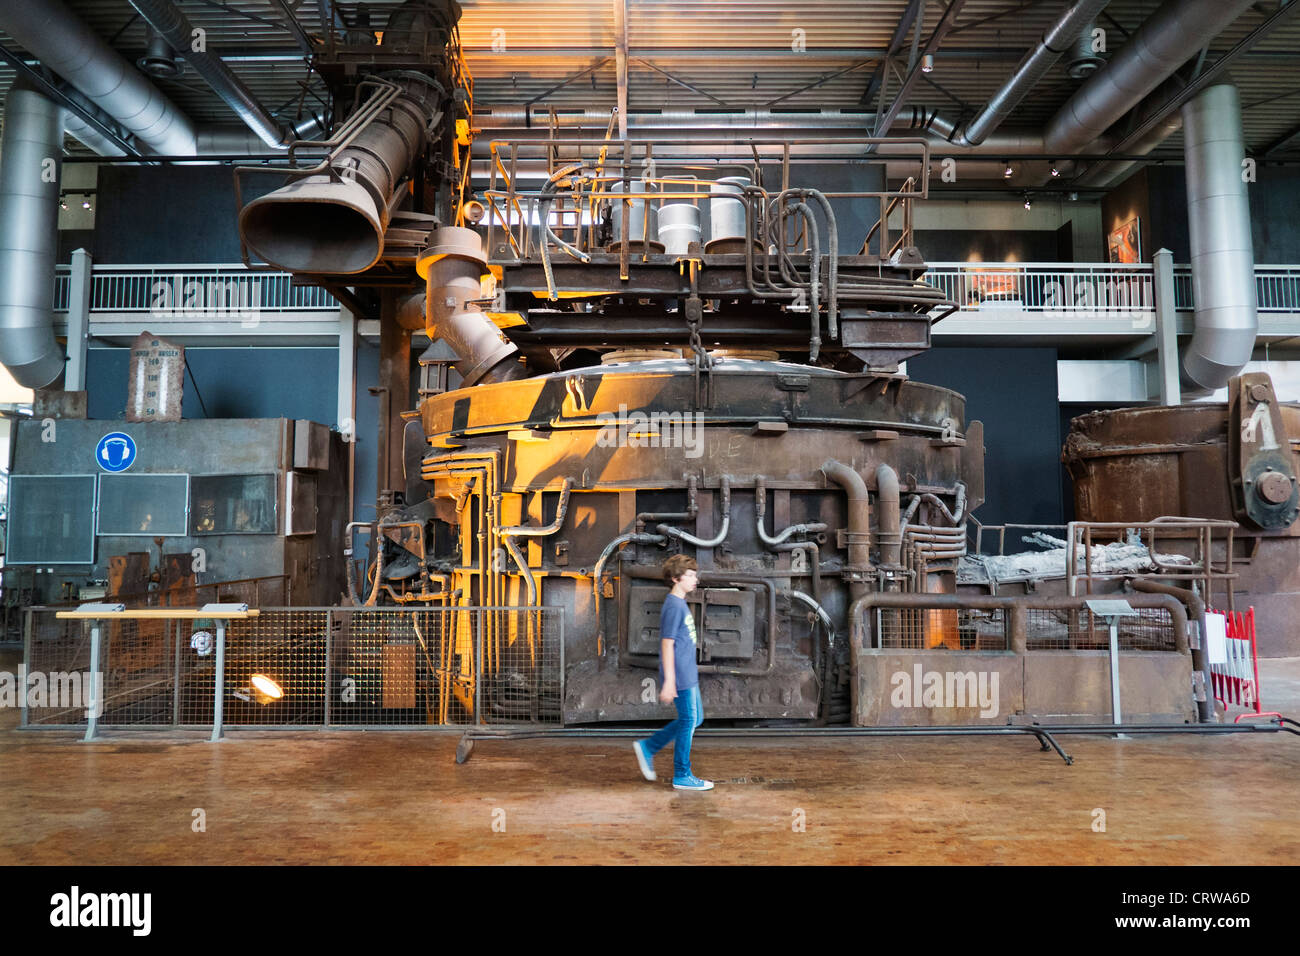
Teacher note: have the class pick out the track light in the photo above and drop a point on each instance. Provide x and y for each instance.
(63, 204)
(1008, 172)
(1055, 172)
(927, 63)
(1028, 202)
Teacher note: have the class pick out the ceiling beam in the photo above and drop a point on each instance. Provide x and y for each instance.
(293, 26)
(946, 23)
(895, 42)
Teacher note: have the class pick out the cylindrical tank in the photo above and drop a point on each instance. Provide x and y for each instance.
(642, 219)
(727, 214)
(679, 226)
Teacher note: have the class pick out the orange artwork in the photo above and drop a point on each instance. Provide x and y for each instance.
(1125, 243)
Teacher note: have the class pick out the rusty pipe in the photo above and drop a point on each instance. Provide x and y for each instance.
(717, 539)
(859, 514)
(888, 519)
(760, 512)
(1196, 607)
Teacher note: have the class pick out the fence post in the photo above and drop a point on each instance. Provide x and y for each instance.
(329, 677)
(96, 688)
(219, 680)
(28, 614)
(478, 668)
(559, 613)
(176, 676)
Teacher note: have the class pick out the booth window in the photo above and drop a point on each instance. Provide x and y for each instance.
(233, 504)
(51, 519)
(153, 505)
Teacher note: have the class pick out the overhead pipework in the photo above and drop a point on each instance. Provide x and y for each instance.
(57, 37)
(177, 30)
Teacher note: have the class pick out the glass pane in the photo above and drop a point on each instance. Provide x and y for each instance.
(50, 519)
(233, 504)
(142, 504)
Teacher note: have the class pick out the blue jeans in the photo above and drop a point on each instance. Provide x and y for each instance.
(690, 714)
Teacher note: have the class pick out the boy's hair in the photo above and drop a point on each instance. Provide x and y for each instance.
(676, 566)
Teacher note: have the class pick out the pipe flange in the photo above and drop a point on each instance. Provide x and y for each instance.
(451, 241)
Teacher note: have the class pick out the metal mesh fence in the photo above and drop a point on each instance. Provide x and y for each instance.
(53, 647)
(958, 629)
(971, 629)
(1080, 630)
(313, 667)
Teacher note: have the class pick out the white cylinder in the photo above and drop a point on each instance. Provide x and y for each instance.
(726, 209)
(679, 226)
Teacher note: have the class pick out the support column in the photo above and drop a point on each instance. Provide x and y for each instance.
(395, 395)
(78, 321)
(346, 415)
(1166, 328)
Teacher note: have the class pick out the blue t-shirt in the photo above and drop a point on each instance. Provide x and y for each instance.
(677, 622)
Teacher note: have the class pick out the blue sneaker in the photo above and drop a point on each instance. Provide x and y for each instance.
(692, 783)
(647, 768)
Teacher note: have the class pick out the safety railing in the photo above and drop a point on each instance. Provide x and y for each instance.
(1020, 624)
(192, 291)
(292, 668)
(1075, 288)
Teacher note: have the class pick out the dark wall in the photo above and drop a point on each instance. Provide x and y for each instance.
(170, 214)
(988, 245)
(233, 383)
(1014, 393)
(1159, 195)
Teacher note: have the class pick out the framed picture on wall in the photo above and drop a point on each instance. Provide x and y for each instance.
(1125, 243)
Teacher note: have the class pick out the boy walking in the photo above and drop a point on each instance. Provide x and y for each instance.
(678, 679)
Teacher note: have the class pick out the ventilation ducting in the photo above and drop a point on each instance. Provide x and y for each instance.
(29, 230)
(1223, 258)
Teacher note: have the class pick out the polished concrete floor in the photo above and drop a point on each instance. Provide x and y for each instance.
(349, 797)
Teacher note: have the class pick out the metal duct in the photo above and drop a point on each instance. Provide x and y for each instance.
(56, 37)
(1060, 37)
(163, 16)
(1223, 260)
(1169, 38)
(334, 222)
(30, 159)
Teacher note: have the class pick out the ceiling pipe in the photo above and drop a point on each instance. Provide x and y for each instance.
(30, 167)
(176, 28)
(56, 37)
(1059, 38)
(1223, 257)
(1170, 37)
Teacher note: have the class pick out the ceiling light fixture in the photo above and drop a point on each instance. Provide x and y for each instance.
(1055, 172)
(85, 204)
(927, 63)
(1028, 202)
(1008, 172)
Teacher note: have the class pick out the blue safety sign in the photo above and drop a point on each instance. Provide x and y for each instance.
(115, 451)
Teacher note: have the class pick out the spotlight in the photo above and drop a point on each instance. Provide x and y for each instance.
(1028, 202)
(261, 689)
(63, 204)
(1055, 172)
(85, 204)
(927, 63)
(1008, 172)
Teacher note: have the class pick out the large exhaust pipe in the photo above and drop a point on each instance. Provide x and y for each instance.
(30, 166)
(334, 222)
(1223, 258)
